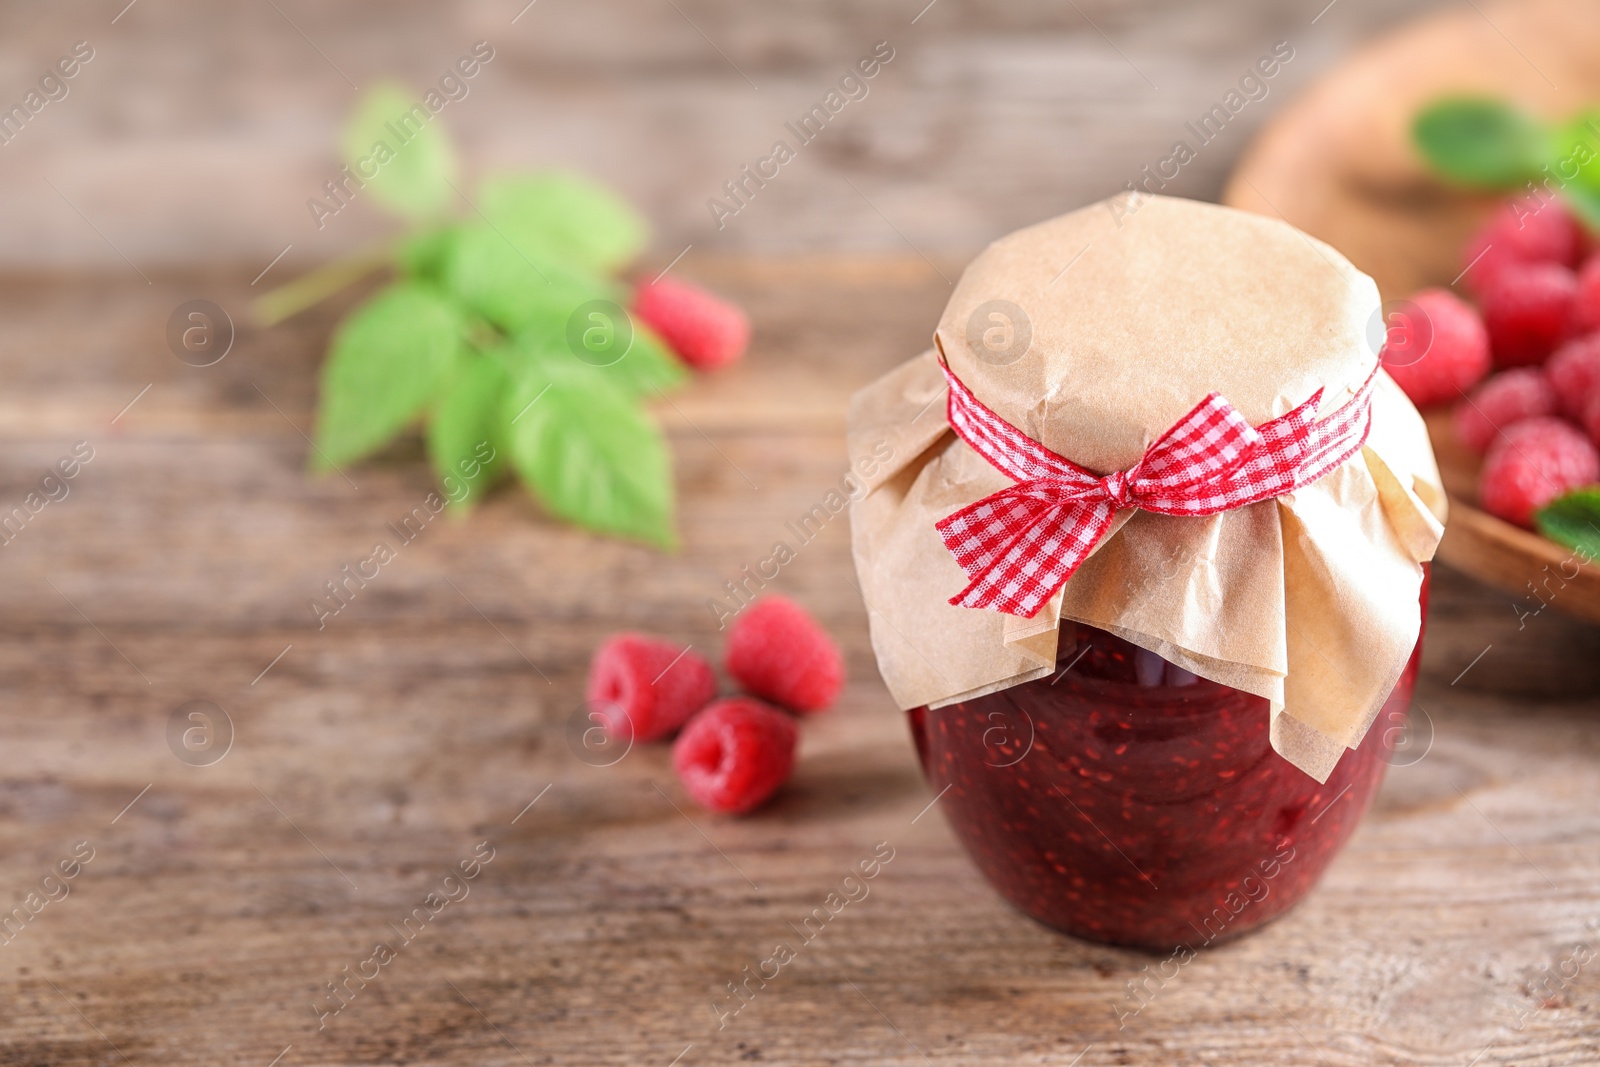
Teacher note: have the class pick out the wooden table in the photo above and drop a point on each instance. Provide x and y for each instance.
(369, 758)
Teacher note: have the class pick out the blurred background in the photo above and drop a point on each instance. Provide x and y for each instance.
(199, 130)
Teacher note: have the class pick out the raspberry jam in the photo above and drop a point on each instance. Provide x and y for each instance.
(1124, 800)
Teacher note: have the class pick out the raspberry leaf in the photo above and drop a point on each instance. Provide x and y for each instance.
(1573, 520)
(1480, 143)
(1585, 203)
(515, 286)
(509, 331)
(563, 217)
(605, 336)
(650, 367)
(588, 452)
(386, 362)
(399, 155)
(423, 254)
(467, 439)
(1575, 162)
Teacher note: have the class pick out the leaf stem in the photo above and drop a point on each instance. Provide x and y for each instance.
(308, 290)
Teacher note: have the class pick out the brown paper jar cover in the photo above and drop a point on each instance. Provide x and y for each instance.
(1117, 319)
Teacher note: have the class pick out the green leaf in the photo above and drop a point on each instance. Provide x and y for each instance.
(1585, 203)
(589, 453)
(1480, 143)
(467, 438)
(423, 255)
(649, 367)
(566, 218)
(514, 287)
(1573, 520)
(394, 145)
(385, 364)
(1575, 165)
(607, 337)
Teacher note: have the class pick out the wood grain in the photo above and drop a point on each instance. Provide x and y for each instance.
(375, 754)
(199, 130)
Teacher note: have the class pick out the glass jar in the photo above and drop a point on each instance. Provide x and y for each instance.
(1122, 799)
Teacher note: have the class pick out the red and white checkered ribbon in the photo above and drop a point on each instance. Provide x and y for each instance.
(1020, 545)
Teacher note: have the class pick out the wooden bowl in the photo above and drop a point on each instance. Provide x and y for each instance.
(1338, 164)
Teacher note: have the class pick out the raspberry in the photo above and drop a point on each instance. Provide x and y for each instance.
(735, 754)
(1436, 347)
(1586, 305)
(1508, 397)
(1531, 464)
(1527, 308)
(1523, 231)
(705, 330)
(1574, 373)
(645, 688)
(778, 652)
(1591, 420)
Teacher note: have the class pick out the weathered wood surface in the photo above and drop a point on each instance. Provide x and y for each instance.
(199, 130)
(376, 753)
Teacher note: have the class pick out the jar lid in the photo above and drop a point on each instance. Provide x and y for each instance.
(1094, 335)
(1096, 331)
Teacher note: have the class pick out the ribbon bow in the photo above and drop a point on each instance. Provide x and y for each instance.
(1021, 544)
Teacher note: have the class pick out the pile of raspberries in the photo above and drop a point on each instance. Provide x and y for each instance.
(1535, 273)
(734, 752)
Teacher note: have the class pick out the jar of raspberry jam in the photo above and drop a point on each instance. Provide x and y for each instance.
(1125, 800)
(1143, 540)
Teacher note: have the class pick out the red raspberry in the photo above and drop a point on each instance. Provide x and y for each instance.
(645, 688)
(1527, 308)
(1574, 373)
(1531, 464)
(705, 330)
(777, 651)
(1436, 347)
(735, 754)
(1508, 397)
(1591, 419)
(1528, 230)
(1586, 305)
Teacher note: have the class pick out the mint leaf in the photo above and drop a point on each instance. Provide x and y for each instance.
(467, 438)
(514, 287)
(1480, 143)
(1573, 520)
(564, 217)
(385, 363)
(402, 157)
(589, 453)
